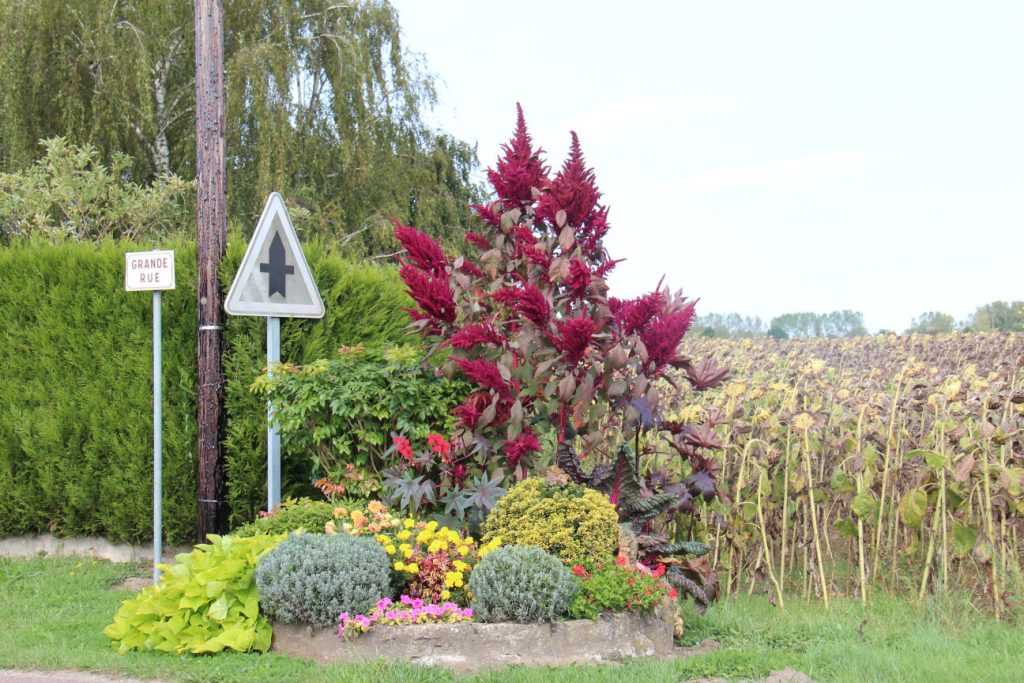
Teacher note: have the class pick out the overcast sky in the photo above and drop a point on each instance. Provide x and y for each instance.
(766, 157)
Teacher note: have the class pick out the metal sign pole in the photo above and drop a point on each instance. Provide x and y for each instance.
(158, 424)
(273, 437)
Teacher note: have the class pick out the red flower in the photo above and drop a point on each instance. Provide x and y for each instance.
(519, 170)
(421, 250)
(621, 560)
(580, 571)
(663, 335)
(472, 408)
(469, 268)
(404, 447)
(477, 240)
(485, 373)
(532, 305)
(528, 301)
(432, 294)
(579, 278)
(460, 472)
(672, 592)
(489, 214)
(634, 314)
(476, 333)
(573, 190)
(438, 444)
(522, 446)
(573, 338)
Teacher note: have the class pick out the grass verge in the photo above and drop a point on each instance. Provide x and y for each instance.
(53, 611)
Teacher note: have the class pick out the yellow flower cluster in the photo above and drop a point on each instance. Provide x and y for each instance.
(374, 519)
(414, 546)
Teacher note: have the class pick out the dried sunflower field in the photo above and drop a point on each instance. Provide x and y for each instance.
(850, 466)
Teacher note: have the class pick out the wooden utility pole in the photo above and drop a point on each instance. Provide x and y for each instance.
(211, 216)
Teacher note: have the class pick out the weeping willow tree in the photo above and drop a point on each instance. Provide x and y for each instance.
(323, 105)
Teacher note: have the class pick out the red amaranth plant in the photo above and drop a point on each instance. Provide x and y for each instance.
(526, 317)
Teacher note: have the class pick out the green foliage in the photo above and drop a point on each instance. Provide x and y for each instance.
(998, 315)
(76, 352)
(324, 105)
(574, 523)
(613, 588)
(731, 325)
(806, 325)
(292, 515)
(933, 322)
(344, 410)
(69, 193)
(206, 602)
(524, 584)
(313, 578)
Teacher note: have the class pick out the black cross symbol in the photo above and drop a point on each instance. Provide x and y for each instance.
(277, 267)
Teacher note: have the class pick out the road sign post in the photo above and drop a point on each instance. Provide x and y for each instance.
(274, 281)
(273, 437)
(154, 271)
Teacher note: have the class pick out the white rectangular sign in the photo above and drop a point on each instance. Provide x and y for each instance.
(148, 270)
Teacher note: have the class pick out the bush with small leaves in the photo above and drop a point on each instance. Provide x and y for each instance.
(291, 515)
(572, 522)
(524, 584)
(313, 578)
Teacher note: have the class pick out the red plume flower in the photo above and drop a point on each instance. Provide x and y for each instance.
(476, 333)
(573, 338)
(432, 294)
(421, 250)
(664, 334)
(485, 373)
(477, 240)
(579, 278)
(573, 190)
(532, 305)
(519, 170)
(528, 301)
(634, 314)
(472, 408)
(519, 448)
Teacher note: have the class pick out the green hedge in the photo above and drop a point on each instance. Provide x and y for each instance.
(75, 395)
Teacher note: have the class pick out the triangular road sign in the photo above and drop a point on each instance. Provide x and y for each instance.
(274, 278)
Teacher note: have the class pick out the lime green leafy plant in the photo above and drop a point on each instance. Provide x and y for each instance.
(207, 602)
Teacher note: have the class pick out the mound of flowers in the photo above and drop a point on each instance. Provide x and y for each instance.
(472, 523)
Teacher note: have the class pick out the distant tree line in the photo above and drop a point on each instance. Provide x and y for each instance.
(785, 326)
(998, 316)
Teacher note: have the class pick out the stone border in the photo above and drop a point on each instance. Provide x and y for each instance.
(470, 647)
(32, 545)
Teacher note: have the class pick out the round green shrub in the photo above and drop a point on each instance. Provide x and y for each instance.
(572, 522)
(293, 515)
(314, 577)
(516, 583)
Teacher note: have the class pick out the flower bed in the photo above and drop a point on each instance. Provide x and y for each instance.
(468, 647)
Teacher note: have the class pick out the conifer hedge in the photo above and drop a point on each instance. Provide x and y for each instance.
(76, 397)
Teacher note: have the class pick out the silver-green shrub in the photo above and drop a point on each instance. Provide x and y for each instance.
(313, 578)
(523, 584)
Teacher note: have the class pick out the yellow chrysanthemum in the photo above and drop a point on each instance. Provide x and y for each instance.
(389, 549)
